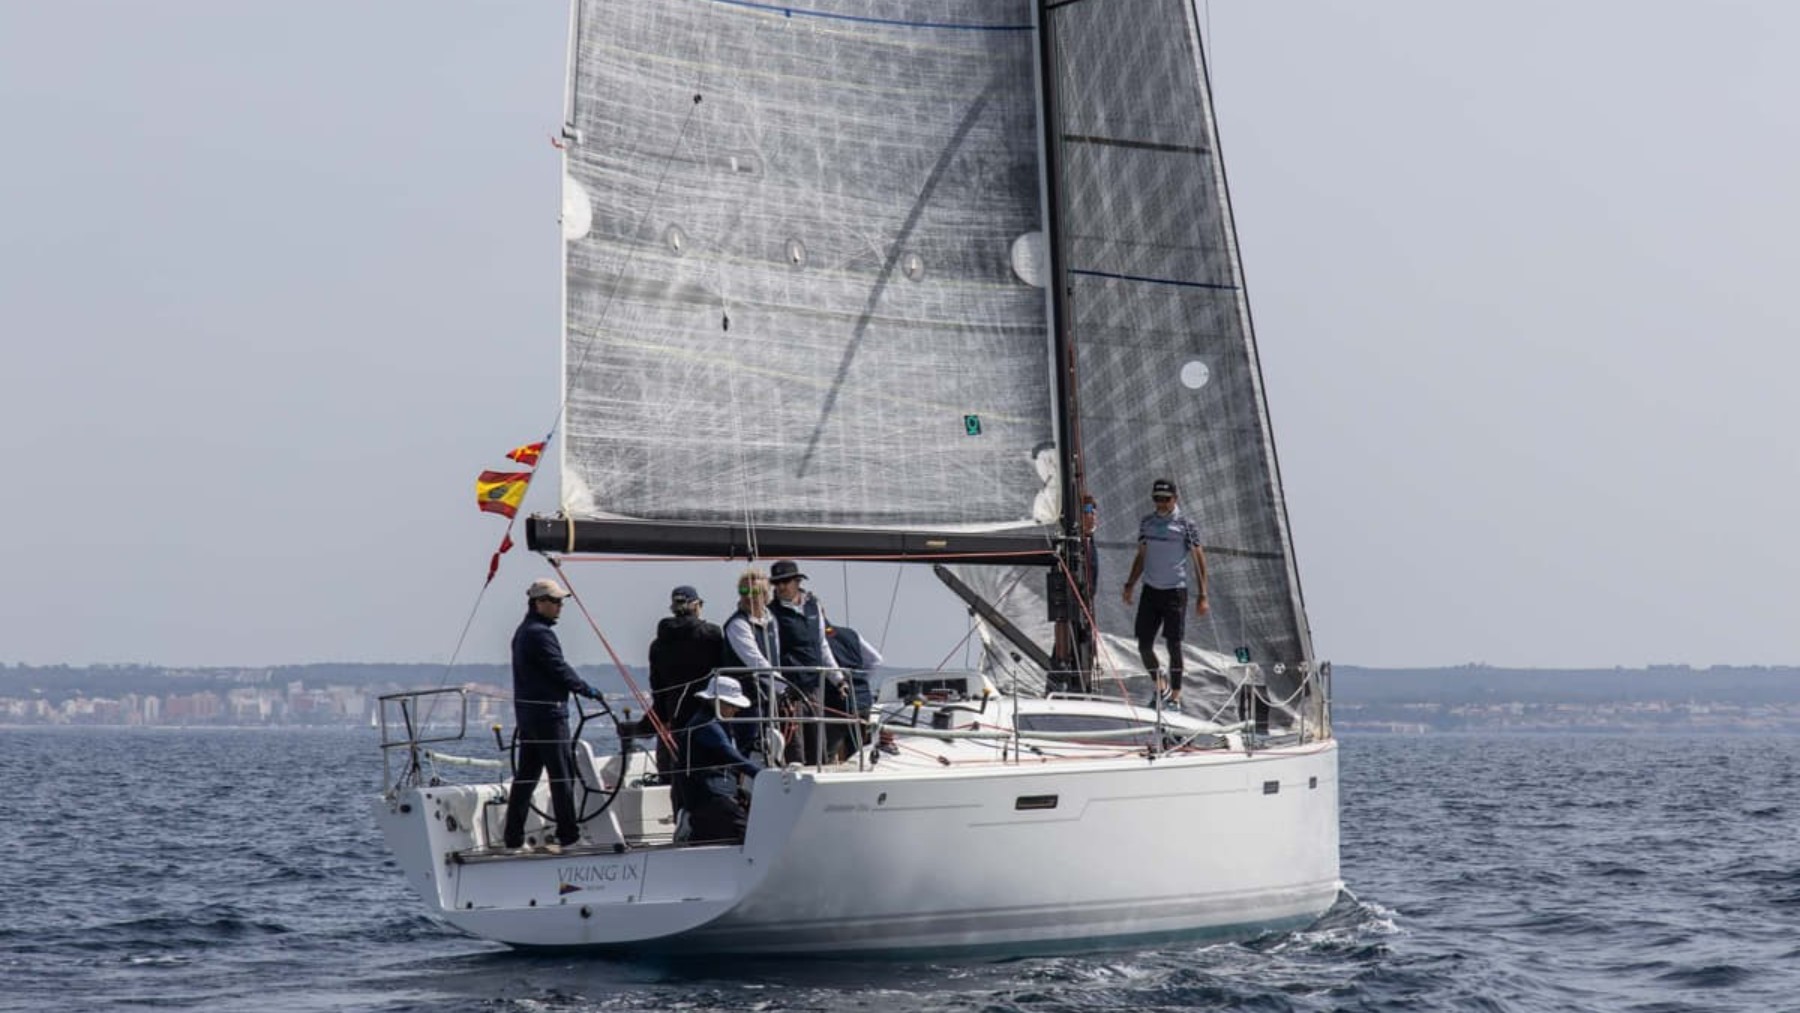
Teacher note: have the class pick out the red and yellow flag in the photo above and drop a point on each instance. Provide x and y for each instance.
(501, 492)
(506, 543)
(528, 454)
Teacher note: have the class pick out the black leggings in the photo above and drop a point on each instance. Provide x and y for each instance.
(1164, 609)
(543, 749)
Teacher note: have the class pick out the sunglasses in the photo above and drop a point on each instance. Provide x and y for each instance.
(1088, 508)
(1162, 499)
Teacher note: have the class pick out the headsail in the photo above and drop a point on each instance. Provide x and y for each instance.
(1168, 379)
(799, 276)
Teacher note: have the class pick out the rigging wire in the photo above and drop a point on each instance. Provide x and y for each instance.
(643, 700)
(892, 599)
(668, 162)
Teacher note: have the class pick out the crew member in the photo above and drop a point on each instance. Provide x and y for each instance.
(542, 682)
(684, 653)
(806, 646)
(1167, 542)
(710, 765)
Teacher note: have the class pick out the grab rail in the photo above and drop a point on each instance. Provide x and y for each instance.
(406, 716)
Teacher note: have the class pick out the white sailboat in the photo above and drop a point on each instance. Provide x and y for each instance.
(907, 279)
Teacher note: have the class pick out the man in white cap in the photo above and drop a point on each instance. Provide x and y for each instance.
(542, 682)
(710, 765)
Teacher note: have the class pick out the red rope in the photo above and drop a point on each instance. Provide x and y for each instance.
(662, 730)
(1093, 626)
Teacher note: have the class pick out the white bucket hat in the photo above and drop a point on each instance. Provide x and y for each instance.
(725, 688)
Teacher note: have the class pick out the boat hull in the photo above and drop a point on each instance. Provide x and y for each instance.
(1010, 858)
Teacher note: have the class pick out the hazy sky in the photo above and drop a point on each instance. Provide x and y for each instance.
(277, 280)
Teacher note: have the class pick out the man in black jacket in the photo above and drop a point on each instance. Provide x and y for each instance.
(542, 682)
(682, 656)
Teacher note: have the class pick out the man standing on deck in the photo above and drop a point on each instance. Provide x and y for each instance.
(1167, 541)
(805, 644)
(684, 653)
(542, 682)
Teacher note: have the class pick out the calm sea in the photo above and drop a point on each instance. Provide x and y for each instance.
(235, 870)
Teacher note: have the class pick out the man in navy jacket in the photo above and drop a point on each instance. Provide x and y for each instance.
(542, 682)
(711, 764)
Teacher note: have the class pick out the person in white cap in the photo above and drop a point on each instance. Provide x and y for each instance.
(542, 682)
(710, 763)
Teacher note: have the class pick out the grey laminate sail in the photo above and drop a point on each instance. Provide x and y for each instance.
(1166, 359)
(797, 288)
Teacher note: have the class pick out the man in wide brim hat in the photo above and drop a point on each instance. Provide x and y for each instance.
(785, 570)
(711, 763)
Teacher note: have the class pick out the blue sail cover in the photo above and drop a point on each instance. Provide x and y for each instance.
(798, 266)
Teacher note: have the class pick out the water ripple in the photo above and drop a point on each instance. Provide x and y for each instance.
(1492, 874)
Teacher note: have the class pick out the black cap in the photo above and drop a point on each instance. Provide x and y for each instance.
(784, 569)
(1163, 487)
(683, 594)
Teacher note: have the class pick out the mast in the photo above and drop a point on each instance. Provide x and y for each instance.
(1069, 614)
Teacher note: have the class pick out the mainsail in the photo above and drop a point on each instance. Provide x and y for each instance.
(800, 269)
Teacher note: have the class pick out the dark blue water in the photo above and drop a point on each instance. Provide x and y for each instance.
(228, 870)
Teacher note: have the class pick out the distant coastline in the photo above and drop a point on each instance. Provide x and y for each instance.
(1467, 698)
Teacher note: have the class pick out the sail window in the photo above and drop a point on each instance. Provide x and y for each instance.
(577, 211)
(1030, 254)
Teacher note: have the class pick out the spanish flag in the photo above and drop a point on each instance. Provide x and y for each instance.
(528, 454)
(501, 492)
